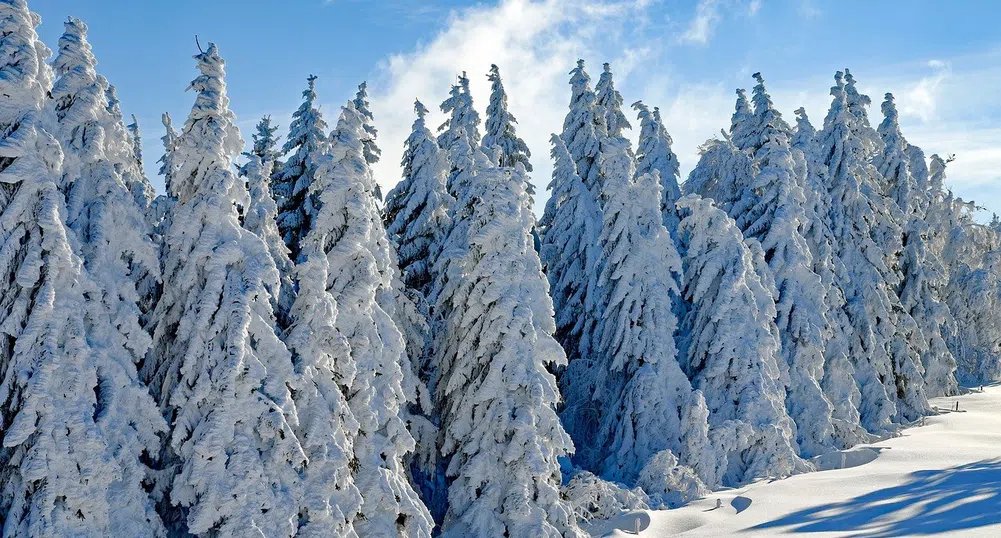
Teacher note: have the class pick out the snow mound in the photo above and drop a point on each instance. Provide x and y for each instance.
(846, 459)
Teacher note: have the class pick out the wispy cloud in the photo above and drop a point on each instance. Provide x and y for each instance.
(700, 30)
(535, 42)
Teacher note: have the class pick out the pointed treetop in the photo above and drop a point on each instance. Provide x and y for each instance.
(137, 140)
(420, 109)
(501, 134)
(742, 121)
(210, 133)
(611, 101)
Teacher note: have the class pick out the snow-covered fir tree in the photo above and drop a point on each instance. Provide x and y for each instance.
(265, 141)
(732, 347)
(220, 373)
(861, 128)
(609, 102)
(838, 382)
(645, 398)
(290, 185)
(570, 254)
(359, 275)
(721, 173)
(582, 130)
(742, 122)
(372, 151)
(654, 154)
(260, 218)
(459, 131)
(502, 437)
(119, 255)
(775, 215)
(922, 271)
(866, 238)
(68, 465)
(500, 127)
(416, 210)
(326, 428)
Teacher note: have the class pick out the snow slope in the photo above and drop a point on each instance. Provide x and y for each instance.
(940, 479)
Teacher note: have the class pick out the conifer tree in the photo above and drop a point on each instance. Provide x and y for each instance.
(118, 254)
(865, 237)
(500, 127)
(290, 185)
(654, 154)
(645, 396)
(360, 276)
(217, 368)
(265, 142)
(372, 151)
(459, 132)
(416, 211)
(609, 101)
(260, 218)
(772, 211)
(502, 437)
(721, 173)
(327, 428)
(923, 273)
(570, 255)
(732, 347)
(69, 466)
(838, 382)
(742, 122)
(462, 116)
(583, 128)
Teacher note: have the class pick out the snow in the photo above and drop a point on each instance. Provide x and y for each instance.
(943, 478)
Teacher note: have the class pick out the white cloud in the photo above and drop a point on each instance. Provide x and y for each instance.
(535, 44)
(754, 7)
(701, 28)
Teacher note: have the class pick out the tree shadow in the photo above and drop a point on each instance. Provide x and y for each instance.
(931, 502)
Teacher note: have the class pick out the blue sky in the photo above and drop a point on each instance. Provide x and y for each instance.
(942, 63)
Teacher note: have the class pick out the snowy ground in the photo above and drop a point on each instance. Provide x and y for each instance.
(943, 478)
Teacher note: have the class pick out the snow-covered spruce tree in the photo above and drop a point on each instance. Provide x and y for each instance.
(462, 123)
(733, 348)
(163, 205)
(502, 437)
(260, 218)
(416, 210)
(326, 428)
(65, 465)
(646, 398)
(290, 185)
(118, 254)
(136, 134)
(721, 173)
(265, 142)
(865, 237)
(217, 368)
(123, 154)
(838, 382)
(775, 215)
(742, 122)
(923, 272)
(609, 102)
(582, 130)
(857, 104)
(500, 127)
(654, 153)
(570, 254)
(360, 274)
(372, 151)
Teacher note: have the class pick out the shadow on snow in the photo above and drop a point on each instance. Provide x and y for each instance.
(930, 502)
